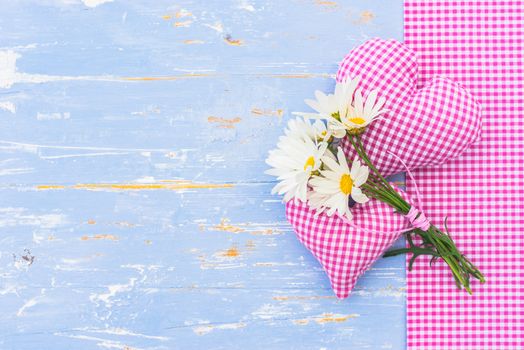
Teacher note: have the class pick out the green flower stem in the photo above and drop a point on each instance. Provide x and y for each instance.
(421, 251)
(359, 147)
(435, 242)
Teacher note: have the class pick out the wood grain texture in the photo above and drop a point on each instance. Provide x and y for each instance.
(134, 212)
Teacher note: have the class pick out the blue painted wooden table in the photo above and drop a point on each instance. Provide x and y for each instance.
(134, 212)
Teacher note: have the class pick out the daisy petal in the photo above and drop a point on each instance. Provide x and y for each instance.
(358, 196)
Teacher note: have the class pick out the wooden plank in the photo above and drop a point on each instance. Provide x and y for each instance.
(134, 212)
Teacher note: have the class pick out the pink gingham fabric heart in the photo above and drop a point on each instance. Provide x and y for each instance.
(424, 126)
(345, 252)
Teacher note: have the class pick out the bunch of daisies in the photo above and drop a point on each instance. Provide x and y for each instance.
(310, 167)
(307, 163)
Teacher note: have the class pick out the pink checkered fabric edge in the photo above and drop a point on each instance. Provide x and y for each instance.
(345, 252)
(481, 45)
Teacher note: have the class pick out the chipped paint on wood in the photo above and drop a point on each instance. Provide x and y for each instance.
(326, 3)
(233, 42)
(193, 42)
(182, 23)
(302, 76)
(183, 13)
(251, 228)
(204, 329)
(99, 236)
(223, 122)
(298, 297)
(225, 225)
(176, 186)
(50, 187)
(325, 318)
(268, 112)
(171, 77)
(104, 107)
(232, 252)
(365, 17)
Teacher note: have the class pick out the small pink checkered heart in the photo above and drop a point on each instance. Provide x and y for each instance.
(425, 126)
(345, 252)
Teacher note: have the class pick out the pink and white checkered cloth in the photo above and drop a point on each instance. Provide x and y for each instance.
(480, 44)
(425, 126)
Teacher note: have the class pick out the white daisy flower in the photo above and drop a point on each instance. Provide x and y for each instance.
(332, 189)
(316, 131)
(297, 156)
(359, 115)
(346, 109)
(328, 106)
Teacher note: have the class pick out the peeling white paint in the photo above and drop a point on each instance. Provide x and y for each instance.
(120, 332)
(8, 106)
(11, 217)
(23, 47)
(184, 13)
(95, 3)
(79, 260)
(221, 266)
(217, 26)
(27, 305)
(100, 342)
(274, 264)
(10, 289)
(208, 328)
(9, 74)
(53, 116)
(244, 5)
(145, 180)
(38, 238)
(141, 268)
(151, 109)
(16, 171)
(269, 311)
(77, 155)
(34, 148)
(113, 290)
(388, 291)
(30, 303)
(74, 268)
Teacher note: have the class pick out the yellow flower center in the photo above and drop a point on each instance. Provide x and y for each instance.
(322, 136)
(310, 162)
(346, 184)
(357, 120)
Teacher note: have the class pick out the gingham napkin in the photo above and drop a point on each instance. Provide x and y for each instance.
(481, 45)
